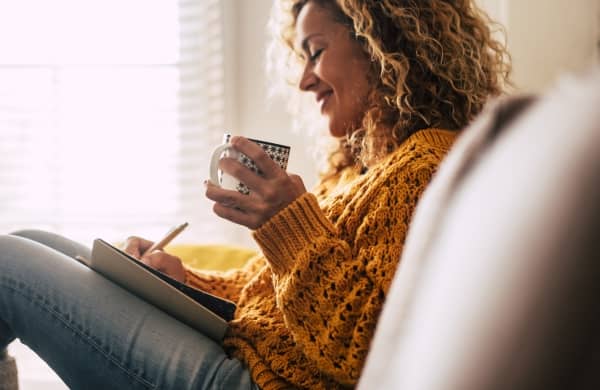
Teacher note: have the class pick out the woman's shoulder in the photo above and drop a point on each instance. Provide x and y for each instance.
(429, 138)
(434, 142)
(424, 149)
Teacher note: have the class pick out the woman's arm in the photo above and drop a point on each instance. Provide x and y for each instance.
(331, 286)
(225, 284)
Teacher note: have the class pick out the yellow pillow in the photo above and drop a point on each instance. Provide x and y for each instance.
(214, 257)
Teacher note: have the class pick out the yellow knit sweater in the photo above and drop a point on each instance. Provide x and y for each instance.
(307, 307)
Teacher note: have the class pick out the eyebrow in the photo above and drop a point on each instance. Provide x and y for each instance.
(304, 44)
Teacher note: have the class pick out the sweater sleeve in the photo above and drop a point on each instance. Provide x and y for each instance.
(330, 285)
(225, 284)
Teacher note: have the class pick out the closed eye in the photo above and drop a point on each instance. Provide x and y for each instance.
(315, 56)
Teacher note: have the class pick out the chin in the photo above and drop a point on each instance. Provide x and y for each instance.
(336, 129)
(337, 134)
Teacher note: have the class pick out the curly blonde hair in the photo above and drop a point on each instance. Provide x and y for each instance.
(434, 63)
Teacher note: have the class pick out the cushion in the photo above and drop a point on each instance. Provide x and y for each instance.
(212, 257)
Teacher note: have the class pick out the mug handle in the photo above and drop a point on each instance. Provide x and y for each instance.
(214, 162)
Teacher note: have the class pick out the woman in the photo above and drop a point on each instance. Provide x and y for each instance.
(387, 76)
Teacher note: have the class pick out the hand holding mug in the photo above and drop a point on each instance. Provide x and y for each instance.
(267, 187)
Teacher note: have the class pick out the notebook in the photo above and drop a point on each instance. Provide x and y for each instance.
(205, 312)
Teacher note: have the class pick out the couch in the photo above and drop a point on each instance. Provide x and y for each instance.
(499, 282)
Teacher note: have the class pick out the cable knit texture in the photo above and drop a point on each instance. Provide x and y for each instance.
(308, 306)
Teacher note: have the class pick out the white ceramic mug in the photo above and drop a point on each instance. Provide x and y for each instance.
(279, 153)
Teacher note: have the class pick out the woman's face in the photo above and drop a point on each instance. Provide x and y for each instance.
(335, 68)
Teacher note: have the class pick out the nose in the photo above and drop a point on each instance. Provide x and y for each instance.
(309, 79)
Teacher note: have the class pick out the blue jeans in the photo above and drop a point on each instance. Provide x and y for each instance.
(95, 334)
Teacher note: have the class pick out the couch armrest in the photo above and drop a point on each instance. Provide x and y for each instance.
(499, 289)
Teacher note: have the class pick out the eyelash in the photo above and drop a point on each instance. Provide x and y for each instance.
(315, 56)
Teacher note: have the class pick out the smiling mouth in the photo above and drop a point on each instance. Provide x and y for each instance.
(323, 98)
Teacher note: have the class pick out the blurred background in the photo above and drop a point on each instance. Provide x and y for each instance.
(109, 109)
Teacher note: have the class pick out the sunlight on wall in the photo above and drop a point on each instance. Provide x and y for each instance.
(106, 109)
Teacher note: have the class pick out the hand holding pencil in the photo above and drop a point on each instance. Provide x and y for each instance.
(159, 245)
(151, 253)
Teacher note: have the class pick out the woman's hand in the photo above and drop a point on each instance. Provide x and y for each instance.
(159, 260)
(269, 194)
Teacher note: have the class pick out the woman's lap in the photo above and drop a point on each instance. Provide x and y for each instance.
(95, 334)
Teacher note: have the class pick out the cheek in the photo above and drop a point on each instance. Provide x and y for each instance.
(358, 92)
(357, 76)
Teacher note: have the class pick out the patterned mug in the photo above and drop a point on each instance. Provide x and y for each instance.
(279, 153)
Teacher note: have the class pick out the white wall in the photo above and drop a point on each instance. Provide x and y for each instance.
(548, 38)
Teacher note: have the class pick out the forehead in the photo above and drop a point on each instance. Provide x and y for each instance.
(313, 19)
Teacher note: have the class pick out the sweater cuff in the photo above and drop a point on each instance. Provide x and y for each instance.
(190, 276)
(291, 230)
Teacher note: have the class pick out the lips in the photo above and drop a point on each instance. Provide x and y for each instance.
(323, 98)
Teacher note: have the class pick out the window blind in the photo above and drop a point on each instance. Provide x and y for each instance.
(108, 112)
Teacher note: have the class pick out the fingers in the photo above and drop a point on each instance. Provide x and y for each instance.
(165, 263)
(235, 215)
(266, 187)
(258, 155)
(136, 246)
(233, 199)
(159, 260)
(235, 207)
(236, 169)
(255, 209)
